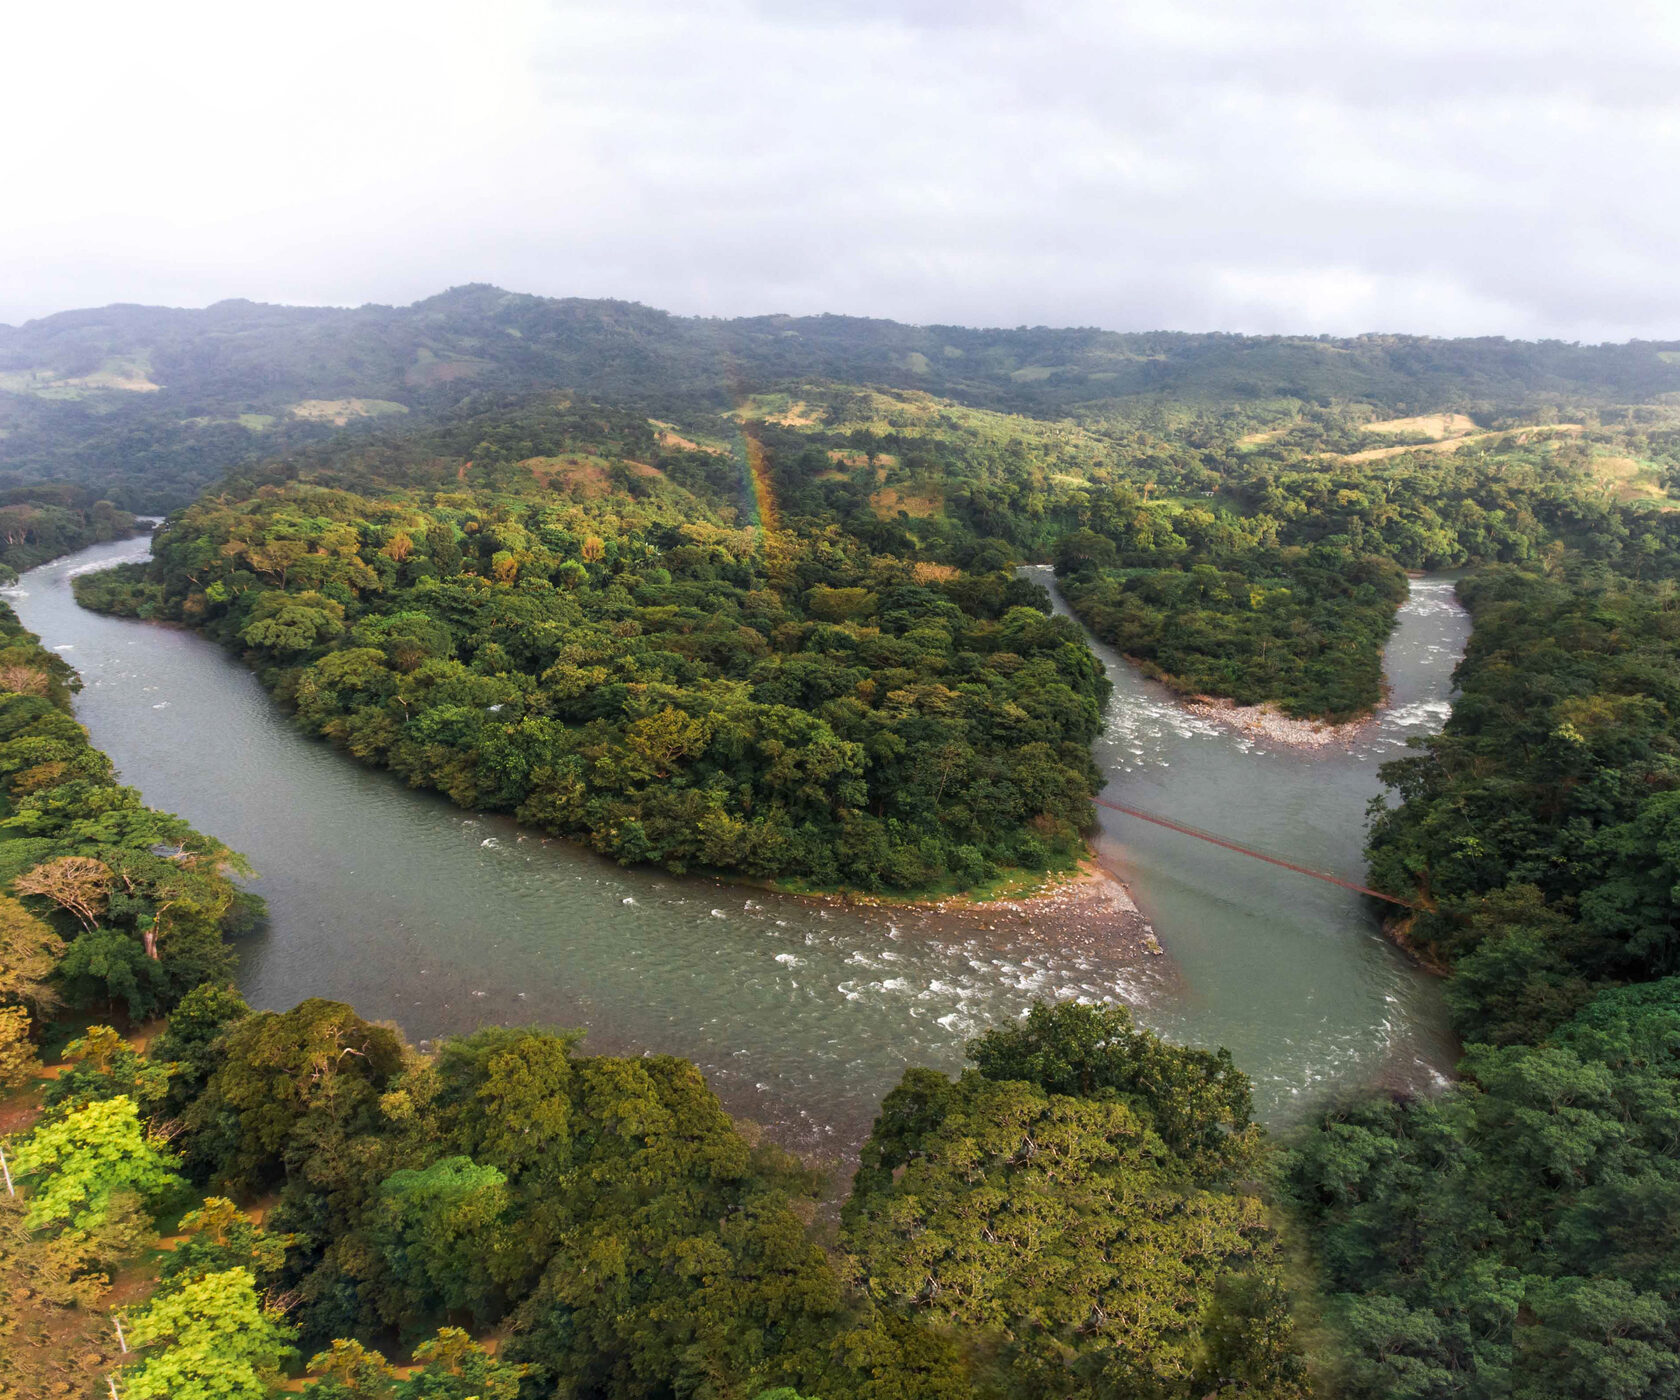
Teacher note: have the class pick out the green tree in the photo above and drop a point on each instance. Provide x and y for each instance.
(29, 951)
(19, 1063)
(1060, 1233)
(287, 1080)
(288, 623)
(454, 1367)
(350, 1371)
(679, 1257)
(78, 1162)
(208, 1339)
(220, 1236)
(1197, 1100)
(102, 1066)
(443, 1231)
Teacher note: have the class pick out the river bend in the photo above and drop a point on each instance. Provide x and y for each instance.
(801, 1015)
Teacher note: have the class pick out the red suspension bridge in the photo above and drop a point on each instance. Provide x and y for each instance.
(1208, 836)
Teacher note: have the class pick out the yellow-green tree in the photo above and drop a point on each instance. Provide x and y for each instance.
(210, 1339)
(76, 1164)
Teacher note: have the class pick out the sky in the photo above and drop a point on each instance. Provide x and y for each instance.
(1295, 166)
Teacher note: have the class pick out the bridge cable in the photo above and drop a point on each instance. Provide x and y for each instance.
(1250, 851)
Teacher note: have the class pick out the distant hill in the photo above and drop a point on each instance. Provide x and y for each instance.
(149, 404)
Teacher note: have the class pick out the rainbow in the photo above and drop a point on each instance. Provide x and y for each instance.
(758, 479)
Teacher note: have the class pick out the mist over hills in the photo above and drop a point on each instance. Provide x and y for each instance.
(172, 398)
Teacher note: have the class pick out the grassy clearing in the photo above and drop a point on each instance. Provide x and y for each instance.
(131, 374)
(584, 477)
(431, 368)
(1434, 426)
(670, 438)
(1518, 435)
(1626, 479)
(120, 373)
(342, 411)
(890, 500)
(782, 408)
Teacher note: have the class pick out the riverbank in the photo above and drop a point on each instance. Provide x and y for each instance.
(1089, 906)
(1268, 722)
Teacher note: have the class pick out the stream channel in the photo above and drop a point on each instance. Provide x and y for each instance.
(801, 1014)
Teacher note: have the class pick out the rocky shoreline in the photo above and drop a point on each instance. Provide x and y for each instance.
(1091, 907)
(1270, 723)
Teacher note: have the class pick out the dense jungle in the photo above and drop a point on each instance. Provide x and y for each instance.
(742, 599)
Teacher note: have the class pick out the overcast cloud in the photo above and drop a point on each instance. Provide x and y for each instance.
(1306, 165)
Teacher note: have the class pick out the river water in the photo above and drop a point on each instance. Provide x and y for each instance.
(1294, 974)
(801, 1015)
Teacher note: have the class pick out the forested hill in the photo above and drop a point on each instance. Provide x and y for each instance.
(150, 404)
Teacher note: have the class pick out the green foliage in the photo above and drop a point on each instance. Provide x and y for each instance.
(676, 1255)
(1032, 1207)
(286, 1085)
(454, 1367)
(207, 1339)
(350, 1371)
(42, 521)
(1303, 629)
(1257, 567)
(19, 1064)
(1555, 774)
(1517, 1235)
(609, 1202)
(79, 1161)
(1197, 1101)
(190, 1042)
(443, 1231)
(451, 1366)
(230, 376)
(505, 1097)
(801, 706)
(219, 1236)
(155, 927)
(104, 1066)
(29, 950)
(565, 610)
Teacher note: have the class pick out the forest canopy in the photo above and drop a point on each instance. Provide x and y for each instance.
(633, 670)
(770, 623)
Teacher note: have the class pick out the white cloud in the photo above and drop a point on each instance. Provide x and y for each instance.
(1307, 165)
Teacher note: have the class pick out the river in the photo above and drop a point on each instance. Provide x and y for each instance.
(801, 1015)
